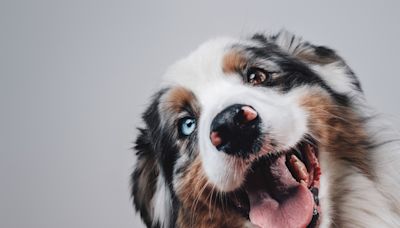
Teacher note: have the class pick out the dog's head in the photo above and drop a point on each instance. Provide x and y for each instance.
(240, 133)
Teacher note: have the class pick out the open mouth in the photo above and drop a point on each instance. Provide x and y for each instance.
(282, 190)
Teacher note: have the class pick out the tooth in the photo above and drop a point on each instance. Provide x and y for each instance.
(299, 169)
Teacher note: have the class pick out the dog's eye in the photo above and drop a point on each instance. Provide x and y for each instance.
(187, 126)
(256, 75)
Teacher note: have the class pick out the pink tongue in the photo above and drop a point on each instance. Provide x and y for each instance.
(281, 201)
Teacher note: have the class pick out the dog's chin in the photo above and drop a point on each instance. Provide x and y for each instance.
(281, 189)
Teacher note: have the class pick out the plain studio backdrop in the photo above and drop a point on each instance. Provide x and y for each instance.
(76, 75)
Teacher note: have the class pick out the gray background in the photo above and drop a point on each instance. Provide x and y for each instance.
(75, 76)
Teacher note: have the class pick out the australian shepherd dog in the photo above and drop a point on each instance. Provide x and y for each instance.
(268, 131)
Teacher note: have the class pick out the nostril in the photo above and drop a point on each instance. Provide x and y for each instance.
(236, 129)
(248, 113)
(215, 138)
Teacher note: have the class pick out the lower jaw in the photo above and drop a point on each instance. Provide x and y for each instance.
(278, 193)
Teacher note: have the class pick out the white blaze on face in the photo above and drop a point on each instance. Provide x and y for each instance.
(282, 119)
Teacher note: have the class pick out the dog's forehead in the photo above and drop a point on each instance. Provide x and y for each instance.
(204, 66)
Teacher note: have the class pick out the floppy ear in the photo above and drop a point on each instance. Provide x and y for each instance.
(150, 191)
(144, 177)
(303, 50)
(325, 61)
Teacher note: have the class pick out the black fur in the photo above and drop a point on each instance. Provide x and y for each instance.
(156, 146)
(293, 73)
(147, 188)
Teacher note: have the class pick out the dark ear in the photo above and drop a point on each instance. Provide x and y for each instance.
(318, 57)
(303, 50)
(144, 178)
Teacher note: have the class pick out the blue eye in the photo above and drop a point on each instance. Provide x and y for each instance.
(187, 126)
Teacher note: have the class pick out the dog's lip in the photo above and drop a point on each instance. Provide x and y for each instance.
(306, 153)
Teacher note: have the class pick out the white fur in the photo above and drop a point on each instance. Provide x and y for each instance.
(202, 73)
(384, 192)
(362, 205)
(289, 42)
(280, 117)
(335, 75)
(368, 203)
(324, 190)
(162, 205)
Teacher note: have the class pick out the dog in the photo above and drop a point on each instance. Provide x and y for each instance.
(267, 131)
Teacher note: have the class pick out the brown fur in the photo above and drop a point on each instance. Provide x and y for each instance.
(177, 98)
(233, 62)
(338, 130)
(200, 205)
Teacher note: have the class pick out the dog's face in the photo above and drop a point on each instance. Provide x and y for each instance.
(243, 134)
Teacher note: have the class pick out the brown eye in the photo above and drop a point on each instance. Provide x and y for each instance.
(256, 76)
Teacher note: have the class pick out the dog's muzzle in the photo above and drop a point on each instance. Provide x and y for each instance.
(236, 130)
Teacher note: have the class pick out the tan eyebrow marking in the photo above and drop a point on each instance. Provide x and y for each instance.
(233, 62)
(177, 98)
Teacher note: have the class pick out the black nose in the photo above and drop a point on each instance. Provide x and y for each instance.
(236, 130)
